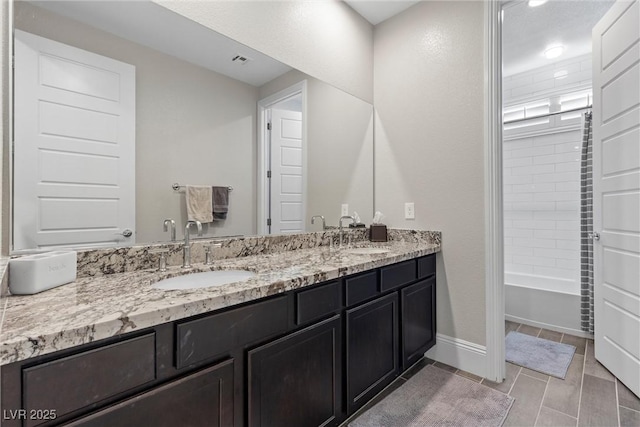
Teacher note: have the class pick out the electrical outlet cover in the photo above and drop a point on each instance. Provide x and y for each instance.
(409, 211)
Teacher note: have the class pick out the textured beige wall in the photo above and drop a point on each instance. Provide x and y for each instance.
(325, 39)
(340, 149)
(428, 86)
(193, 126)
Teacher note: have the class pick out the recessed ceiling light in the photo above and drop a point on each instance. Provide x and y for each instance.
(536, 3)
(553, 51)
(560, 74)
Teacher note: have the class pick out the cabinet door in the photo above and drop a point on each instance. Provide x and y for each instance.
(204, 398)
(372, 349)
(296, 380)
(418, 320)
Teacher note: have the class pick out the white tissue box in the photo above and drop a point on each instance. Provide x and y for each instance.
(36, 273)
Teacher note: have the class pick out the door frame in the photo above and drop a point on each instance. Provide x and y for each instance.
(493, 202)
(264, 106)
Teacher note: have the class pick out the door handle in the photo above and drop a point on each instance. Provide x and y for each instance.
(594, 236)
(126, 233)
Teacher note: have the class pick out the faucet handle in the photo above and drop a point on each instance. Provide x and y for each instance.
(208, 252)
(162, 261)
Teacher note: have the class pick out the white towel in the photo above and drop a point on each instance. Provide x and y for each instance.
(199, 199)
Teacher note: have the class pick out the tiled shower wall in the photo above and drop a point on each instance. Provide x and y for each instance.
(542, 181)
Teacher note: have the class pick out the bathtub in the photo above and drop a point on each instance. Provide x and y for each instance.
(543, 302)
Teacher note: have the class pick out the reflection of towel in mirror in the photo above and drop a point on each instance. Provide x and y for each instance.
(220, 205)
(198, 198)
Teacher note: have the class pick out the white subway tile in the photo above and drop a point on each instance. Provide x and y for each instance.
(573, 166)
(535, 261)
(555, 215)
(556, 196)
(517, 144)
(515, 162)
(568, 225)
(556, 253)
(519, 197)
(518, 232)
(573, 206)
(568, 147)
(518, 250)
(557, 158)
(508, 241)
(533, 206)
(518, 179)
(569, 264)
(533, 170)
(573, 244)
(554, 177)
(556, 234)
(535, 243)
(521, 215)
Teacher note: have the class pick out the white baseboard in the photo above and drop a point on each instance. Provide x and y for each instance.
(461, 354)
(575, 332)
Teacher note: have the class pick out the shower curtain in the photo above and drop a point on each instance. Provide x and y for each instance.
(586, 228)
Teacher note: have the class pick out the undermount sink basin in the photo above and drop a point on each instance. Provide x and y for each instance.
(203, 280)
(367, 251)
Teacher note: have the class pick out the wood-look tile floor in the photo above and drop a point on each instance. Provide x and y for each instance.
(589, 395)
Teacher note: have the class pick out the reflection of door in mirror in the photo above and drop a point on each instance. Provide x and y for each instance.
(74, 146)
(283, 145)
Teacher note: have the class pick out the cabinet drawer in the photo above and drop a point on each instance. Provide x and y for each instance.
(396, 275)
(426, 266)
(361, 287)
(201, 399)
(314, 303)
(207, 337)
(81, 380)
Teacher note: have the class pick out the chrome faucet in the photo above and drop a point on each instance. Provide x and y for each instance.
(186, 258)
(171, 222)
(324, 225)
(353, 221)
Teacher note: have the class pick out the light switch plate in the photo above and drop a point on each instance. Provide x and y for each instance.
(345, 209)
(409, 211)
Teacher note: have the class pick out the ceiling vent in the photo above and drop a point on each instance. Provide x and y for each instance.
(240, 59)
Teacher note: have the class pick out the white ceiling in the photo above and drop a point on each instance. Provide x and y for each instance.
(528, 31)
(154, 26)
(376, 11)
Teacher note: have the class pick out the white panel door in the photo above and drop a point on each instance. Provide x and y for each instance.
(616, 191)
(287, 198)
(74, 167)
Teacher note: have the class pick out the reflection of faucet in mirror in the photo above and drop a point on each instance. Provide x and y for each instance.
(353, 221)
(324, 225)
(186, 259)
(173, 228)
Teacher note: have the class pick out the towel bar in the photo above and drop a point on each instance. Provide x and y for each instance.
(178, 187)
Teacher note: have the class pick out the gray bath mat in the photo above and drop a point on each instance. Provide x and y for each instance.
(434, 397)
(549, 357)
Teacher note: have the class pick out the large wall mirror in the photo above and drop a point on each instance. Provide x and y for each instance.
(115, 102)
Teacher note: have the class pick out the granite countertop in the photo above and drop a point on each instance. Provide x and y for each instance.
(94, 308)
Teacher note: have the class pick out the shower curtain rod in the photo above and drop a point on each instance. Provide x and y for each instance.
(548, 115)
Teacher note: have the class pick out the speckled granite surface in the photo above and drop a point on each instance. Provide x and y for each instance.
(93, 308)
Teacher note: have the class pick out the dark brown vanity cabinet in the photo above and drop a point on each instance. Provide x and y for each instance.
(204, 398)
(297, 380)
(307, 357)
(418, 320)
(371, 348)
